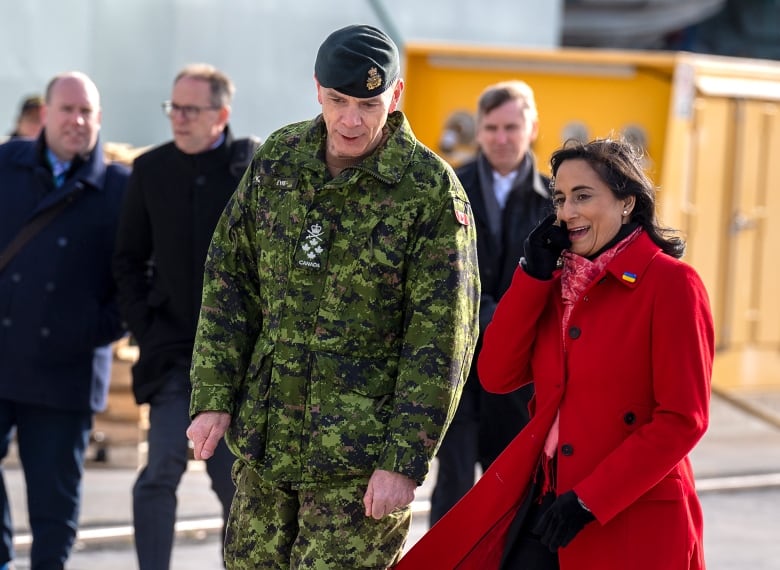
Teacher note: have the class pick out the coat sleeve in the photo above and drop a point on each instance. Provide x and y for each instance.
(131, 255)
(230, 316)
(439, 336)
(504, 362)
(110, 323)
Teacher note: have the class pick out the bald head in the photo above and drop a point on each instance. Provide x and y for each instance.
(76, 76)
(71, 115)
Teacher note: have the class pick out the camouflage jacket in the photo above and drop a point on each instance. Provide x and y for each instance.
(339, 315)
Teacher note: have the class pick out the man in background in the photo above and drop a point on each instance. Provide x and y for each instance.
(176, 194)
(29, 121)
(508, 196)
(58, 314)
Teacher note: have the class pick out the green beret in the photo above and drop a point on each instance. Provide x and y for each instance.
(359, 61)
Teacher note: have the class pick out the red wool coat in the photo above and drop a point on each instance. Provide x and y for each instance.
(631, 379)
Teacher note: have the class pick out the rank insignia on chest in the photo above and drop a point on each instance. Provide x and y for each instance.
(311, 252)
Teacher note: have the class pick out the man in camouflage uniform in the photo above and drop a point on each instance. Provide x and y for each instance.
(338, 323)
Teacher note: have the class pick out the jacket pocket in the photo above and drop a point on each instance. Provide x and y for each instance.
(352, 400)
(657, 529)
(247, 435)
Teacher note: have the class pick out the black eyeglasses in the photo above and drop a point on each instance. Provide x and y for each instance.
(189, 112)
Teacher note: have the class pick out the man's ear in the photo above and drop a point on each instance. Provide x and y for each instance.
(224, 114)
(317, 85)
(534, 130)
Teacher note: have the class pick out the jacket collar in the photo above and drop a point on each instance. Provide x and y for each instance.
(540, 186)
(211, 159)
(89, 173)
(387, 163)
(485, 174)
(630, 266)
(89, 170)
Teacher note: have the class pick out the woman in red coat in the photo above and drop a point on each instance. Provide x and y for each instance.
(616, 333)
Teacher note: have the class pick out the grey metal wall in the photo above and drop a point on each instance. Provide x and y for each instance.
(132, 49)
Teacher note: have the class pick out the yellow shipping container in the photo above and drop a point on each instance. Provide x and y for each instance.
(711, 129)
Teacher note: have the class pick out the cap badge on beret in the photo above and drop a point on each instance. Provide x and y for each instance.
(359, 60)
(374, 79)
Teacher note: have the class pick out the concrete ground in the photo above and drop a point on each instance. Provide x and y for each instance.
(738, 476)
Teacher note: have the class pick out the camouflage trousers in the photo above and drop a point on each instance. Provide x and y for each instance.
(281, 527)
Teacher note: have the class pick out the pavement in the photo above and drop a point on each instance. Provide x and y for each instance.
(737, 465)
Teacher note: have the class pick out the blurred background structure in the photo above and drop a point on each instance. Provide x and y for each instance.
(132, 49)
(695, 82)
(652, 70)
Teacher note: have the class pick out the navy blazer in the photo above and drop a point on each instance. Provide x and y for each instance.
(58, 311)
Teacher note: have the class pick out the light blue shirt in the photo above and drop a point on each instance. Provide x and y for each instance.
(59, 168)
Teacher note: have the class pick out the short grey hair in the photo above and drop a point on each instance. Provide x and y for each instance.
(499, 93)
(222, 88)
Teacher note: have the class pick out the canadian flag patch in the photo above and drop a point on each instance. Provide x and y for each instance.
(462, 217)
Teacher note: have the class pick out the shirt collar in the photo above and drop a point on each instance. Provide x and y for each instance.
(219, 141)
(58, 167)
(502, 185)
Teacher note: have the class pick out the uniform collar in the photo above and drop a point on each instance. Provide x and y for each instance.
(387, 163)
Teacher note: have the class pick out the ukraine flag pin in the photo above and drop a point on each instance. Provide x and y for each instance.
(630, 277)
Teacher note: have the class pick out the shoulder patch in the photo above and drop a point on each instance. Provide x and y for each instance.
(462, 212)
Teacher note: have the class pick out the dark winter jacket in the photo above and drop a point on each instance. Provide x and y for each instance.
(501, 416)
(58, 313)
(172, 206)
(528, 202)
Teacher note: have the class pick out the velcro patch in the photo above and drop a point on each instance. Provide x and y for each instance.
(276, 182)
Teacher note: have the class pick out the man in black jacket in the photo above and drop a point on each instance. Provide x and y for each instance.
(508, 196)
(176, 194)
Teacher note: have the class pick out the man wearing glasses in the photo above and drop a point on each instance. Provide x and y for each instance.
(176, 194)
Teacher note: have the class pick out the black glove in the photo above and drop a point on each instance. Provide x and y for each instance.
(562, 521)
(543, 247)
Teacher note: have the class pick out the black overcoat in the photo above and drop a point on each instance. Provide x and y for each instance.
(172, 206)
(501, 416)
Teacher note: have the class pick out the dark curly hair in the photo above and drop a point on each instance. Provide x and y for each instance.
(619, 165)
